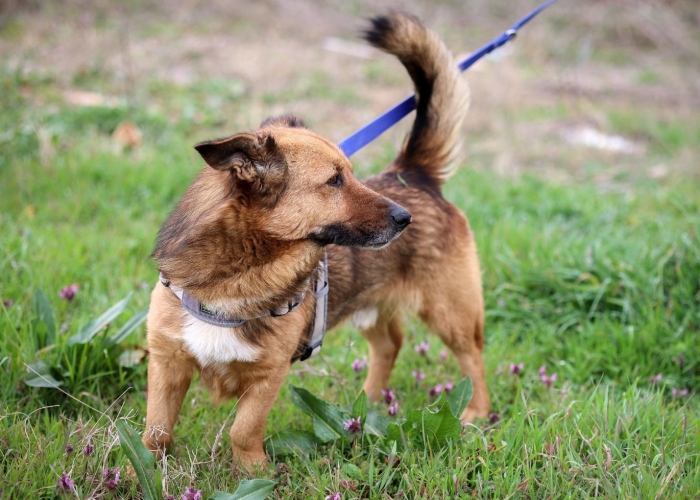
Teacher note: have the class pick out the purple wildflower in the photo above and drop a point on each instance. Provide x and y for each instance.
(419, 376)
(656, 378)
(170, 497)
(389, 396)
(89, 449)
(353, 426)
(112, 478)
(436, 390)
(8, 303)
(358, 365)
(542, 371)
(192, 494)
(335, 496)
(65, 483)
(68, 292)
(393, 409)
(69, 448)
(422, 348)
(494, 418)
(449, 386)
(548, 380)
(515, 369)
(679, 393)
(551, 448)
(443, 355)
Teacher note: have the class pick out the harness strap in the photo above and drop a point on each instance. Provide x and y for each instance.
(308, 348)
(202, 313)
(318, 326)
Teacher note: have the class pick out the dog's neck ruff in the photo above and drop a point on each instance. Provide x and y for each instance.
(310, 347)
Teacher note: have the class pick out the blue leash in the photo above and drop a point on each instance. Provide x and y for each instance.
(374, 129)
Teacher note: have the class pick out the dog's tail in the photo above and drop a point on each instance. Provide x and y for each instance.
(442, 94)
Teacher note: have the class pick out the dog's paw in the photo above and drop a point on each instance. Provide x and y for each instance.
(252, 463)
(470, 415)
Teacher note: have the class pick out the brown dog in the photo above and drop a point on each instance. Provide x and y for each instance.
(246, 240)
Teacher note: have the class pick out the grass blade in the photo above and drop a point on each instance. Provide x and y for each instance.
(134, 322)
(87, 332)
(141, 459)
(254, 489)
(43, 314)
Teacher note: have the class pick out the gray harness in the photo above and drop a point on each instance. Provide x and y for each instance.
(309, 347)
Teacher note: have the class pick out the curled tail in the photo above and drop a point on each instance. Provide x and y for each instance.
(442, 94)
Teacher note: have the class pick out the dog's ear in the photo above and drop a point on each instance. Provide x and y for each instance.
(286, 120)
(255, 162)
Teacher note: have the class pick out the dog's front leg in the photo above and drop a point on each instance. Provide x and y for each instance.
(168, 381)
(253, 407)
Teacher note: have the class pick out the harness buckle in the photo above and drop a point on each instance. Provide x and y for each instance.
(311, 350)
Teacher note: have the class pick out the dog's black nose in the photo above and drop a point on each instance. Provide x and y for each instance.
(400, 217)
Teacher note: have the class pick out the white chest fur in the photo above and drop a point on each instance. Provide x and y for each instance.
(212, 345)
(365, 318)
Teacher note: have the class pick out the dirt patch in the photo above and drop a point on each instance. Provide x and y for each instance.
(573, 66)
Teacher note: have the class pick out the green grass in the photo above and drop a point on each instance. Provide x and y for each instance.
(602, 288)
(666, 136)
(313, 86)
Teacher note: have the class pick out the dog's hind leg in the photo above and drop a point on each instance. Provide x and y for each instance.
(452, 307)
(385, 339)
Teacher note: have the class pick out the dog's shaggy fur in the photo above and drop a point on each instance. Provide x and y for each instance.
(250, 230)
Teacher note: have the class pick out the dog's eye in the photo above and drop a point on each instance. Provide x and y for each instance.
(336, 180)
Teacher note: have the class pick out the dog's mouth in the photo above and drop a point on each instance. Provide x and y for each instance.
(339, 234)
(395, 220)
(383, 245)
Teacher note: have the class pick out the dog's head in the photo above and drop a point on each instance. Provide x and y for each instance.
(297, 185)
